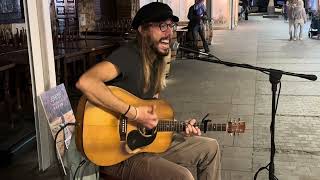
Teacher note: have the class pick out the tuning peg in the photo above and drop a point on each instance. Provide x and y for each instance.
(205, 121)
(204, 118)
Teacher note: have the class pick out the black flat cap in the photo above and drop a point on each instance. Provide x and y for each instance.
(153, 12)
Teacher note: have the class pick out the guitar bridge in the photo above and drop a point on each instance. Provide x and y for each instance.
(123, 127)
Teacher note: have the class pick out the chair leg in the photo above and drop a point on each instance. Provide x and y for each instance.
(7, 97)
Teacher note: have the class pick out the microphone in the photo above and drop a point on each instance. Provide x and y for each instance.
(176, 46)
(308, 76)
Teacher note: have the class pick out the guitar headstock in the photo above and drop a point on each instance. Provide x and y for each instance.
(236, 127)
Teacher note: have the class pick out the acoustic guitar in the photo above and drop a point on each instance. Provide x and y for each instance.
(106, 138)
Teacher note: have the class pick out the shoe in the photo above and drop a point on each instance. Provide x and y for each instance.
(301, 39)
(290, 39)
(207, 51)
(190, 55)
(294, 39)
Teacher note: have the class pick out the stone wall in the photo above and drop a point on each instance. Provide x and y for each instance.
(86, 10)
(135, 5)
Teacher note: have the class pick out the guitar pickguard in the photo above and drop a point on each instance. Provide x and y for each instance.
(136, 139)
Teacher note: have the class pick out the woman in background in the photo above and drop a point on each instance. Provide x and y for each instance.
(300, 18)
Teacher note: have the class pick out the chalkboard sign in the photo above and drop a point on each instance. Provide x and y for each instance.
(11, 11)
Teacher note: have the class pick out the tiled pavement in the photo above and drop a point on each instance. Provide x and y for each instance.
(196, 88)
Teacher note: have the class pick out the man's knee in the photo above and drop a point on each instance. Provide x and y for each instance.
(211, 146)
(184, 174)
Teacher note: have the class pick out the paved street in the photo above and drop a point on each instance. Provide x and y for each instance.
(196, 88)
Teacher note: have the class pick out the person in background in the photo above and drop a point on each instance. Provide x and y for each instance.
(245, 4)
(285, 11)
(244, 9)
(197, 15)
(300, 18)
(138, 68)
(316, 19)
(290, 6)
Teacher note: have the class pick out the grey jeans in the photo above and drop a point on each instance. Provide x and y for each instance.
(188, 158)
(296, 26)
(291, 26)
(199, 29)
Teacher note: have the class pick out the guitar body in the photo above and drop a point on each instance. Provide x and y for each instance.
(98, 135)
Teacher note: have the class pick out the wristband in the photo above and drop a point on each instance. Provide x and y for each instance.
(127, 110)
(136, 117)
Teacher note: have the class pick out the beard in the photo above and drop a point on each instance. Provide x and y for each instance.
(158, 52)
(154, 45)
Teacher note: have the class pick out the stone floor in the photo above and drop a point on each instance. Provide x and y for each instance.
(196, 88)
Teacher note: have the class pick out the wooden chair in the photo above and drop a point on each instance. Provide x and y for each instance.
(104, 175)
(5, 88)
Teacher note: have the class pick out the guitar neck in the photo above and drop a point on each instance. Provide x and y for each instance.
(179, 126)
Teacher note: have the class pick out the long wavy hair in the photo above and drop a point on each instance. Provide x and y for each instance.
(151, 61)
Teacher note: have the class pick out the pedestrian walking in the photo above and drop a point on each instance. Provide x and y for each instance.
(300, 18)
(285, 11)
(290, 6)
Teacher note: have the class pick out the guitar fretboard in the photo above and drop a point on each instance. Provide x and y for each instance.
(180, 126)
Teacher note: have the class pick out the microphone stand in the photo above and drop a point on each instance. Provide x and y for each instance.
(274, 78)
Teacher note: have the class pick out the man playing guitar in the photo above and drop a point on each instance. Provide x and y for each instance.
(138, 68)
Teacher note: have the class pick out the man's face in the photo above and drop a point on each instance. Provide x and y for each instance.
(160, 35)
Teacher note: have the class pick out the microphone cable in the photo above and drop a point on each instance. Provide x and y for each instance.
(55, 140)
(176, 46)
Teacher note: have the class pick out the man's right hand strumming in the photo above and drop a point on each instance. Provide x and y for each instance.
(146, 116)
